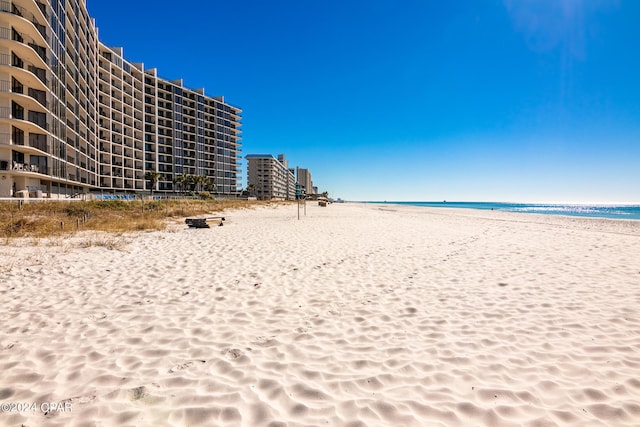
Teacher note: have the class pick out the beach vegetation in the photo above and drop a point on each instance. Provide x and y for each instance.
(153, 177)
(180, 181)
(60, 218)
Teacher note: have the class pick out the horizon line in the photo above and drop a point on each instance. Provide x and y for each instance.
(582, 203)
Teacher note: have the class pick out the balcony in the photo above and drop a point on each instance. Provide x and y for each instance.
(19, 167)
(26, 46)
(40, 73)
(41, 51)
(28, 99)
(35, 123)
(8, 7)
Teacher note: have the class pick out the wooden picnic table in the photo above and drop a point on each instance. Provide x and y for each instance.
(202, 222)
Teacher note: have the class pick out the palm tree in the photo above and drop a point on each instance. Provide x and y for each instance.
(209, 185)
(251, 188)
(190, 181)
(201, 181)
(180, 181)
(153, 177)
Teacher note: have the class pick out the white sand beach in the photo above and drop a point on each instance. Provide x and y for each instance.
(354, 315)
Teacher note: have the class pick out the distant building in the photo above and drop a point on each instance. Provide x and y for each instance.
(270, 178)
(304, 179)
(282, 159)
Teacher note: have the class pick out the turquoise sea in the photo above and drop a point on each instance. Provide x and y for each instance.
(591, 211)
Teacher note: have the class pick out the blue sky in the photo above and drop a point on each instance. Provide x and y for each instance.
(477, 100)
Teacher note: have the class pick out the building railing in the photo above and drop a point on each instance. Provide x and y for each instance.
(38, 95)
(18, 166)
(10, 34)
(38, 142)
(34, 117)
(43, 8)
(8, 7)
(40, 73)
(8, 139)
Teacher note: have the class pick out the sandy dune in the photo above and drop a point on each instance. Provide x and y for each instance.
(354, 315)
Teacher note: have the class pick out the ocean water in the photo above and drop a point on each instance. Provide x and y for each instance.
(591, 211)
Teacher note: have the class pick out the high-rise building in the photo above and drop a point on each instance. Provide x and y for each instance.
(304, 179)
(270, 178)
(76, 117)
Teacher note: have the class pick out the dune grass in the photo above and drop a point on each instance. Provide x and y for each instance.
(51, 219)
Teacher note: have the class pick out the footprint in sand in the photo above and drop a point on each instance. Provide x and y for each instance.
(185, 365)
(82, 399)
(97, 316)
(138, 393)
(180, 367)
(265, 341)
(233, 353)
(143, 393)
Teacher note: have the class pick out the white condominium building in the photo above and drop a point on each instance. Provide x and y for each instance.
(270, 178)
(76, 117)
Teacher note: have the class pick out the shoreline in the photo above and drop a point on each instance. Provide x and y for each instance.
(572, 210)
(352, 315)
